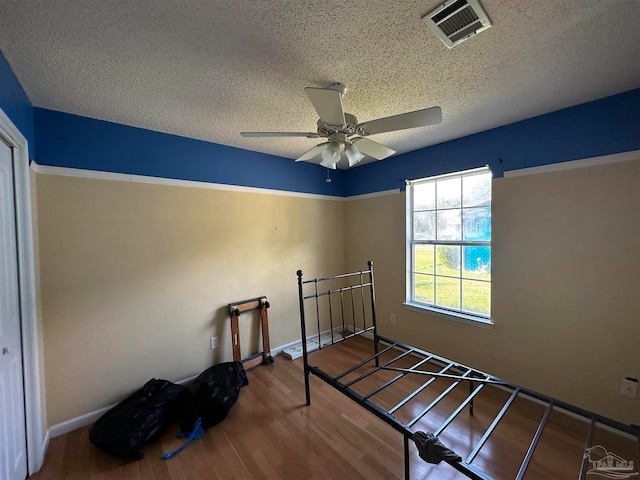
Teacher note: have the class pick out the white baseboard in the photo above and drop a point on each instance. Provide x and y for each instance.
(293, 351)
(77, 422)
(278, 350)
(91, 417)
(45, 444)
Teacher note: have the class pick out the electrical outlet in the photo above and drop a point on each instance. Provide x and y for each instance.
(629, 387)
(214, 343)
(392, 318)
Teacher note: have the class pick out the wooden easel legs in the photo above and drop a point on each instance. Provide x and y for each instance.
(235, 309)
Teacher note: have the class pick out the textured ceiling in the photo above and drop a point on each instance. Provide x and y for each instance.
(211, 69)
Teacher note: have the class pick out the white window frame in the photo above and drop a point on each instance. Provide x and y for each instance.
(411, 303)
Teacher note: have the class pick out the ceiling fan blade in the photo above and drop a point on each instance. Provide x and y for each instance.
(328, 104)
(280, 134)
(372, 149)
(313, 152)
(419, 118)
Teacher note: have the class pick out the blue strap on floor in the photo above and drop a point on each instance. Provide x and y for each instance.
(196, 434)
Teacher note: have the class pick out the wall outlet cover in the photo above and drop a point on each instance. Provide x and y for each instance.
(629, 387)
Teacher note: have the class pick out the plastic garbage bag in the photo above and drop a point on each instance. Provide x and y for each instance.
(432, 450)
(138, 419)
(212, 394)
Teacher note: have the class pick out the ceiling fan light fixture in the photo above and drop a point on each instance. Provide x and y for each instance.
(353, 155)
(331, 155)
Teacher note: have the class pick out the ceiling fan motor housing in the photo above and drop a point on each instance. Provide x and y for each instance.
(349, 128)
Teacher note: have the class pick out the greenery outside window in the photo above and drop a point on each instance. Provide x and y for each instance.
(449, 244)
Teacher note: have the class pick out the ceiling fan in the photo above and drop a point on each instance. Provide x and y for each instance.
(345, 133)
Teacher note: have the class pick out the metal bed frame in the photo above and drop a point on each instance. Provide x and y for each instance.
(354, 284)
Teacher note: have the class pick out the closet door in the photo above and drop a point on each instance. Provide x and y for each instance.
(13, 448)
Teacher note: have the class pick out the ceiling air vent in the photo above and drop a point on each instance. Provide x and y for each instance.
(457, 20)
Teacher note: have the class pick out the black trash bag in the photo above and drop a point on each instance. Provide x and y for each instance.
(212, 394)
(432, 450)
(138, 419)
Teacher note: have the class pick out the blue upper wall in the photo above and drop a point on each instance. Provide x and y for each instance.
(15, 103)
(66, 140)
(606, 126)
(603, 127)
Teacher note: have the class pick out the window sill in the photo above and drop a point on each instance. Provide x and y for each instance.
(456, 317)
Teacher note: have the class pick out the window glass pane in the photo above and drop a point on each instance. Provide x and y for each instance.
(423, 288)
(423, 258)
(477, 224)
(476, 190)
(424, 225)
(476, 297)
(424, 196)
(448, 292)
(448, 260)
(449, 242)
(476, 262)
(449, 192)
(449, 225)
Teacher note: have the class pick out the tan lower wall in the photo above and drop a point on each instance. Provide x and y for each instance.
(135, 279)
(565, 290)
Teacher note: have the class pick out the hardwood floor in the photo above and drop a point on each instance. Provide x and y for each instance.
(271, 434)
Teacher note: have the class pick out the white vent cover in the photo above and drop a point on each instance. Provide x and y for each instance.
(457, 20)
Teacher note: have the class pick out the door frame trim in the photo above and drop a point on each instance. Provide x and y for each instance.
(36, 445)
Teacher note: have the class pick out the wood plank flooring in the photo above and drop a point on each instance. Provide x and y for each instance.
(271, 434)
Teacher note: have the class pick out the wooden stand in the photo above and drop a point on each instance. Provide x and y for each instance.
(235, 309)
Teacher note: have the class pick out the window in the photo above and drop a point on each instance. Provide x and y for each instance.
(449, 244)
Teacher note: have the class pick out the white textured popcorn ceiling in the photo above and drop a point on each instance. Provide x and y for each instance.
(211, 69)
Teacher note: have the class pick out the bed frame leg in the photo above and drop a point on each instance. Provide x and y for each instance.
(471, 402)
(303, 331)
(376, 338)
(407, 470)
(306, 387)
